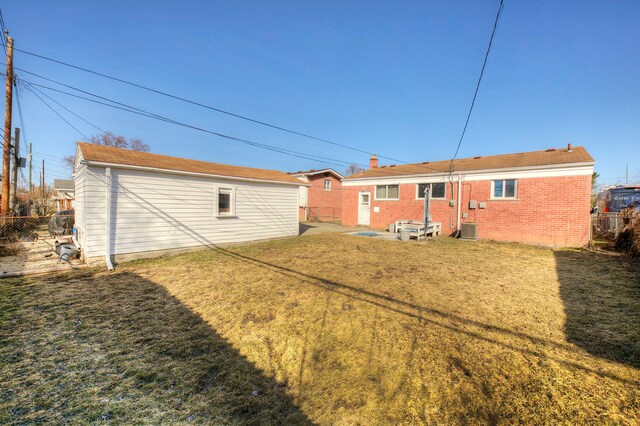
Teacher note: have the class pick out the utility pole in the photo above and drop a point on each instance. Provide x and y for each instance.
(43, 184)
(4, 204)
(30, 170)
(16, 164)
(626, 177)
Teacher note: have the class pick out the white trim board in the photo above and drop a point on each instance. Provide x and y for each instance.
(514, 173)
(184, 173)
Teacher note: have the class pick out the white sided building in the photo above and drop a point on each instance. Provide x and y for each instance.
(132, 204)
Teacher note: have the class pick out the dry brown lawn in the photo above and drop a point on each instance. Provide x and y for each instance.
(329, 329)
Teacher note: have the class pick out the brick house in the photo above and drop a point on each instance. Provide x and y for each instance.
(322, 201)
(540, 197)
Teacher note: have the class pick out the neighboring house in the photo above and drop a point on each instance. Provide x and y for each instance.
(64, 194)
(540, 197)
(137, 203)
(323, 199)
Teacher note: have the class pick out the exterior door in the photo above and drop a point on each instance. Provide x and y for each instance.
(364, 208)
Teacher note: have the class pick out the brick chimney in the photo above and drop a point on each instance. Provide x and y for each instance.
(569, 148)
(373, 161)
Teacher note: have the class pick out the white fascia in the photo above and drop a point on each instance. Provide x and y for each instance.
(575, 169)
(183, 173)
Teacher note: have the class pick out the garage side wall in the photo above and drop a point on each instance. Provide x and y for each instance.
(161, 211)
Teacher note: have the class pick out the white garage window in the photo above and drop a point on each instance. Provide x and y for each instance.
(225, 201)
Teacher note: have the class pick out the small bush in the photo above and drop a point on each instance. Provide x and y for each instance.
(629, 238)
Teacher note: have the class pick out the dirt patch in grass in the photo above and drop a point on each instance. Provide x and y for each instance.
(32, 256)
(332, 329)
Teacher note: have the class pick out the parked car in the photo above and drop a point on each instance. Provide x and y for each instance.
(613, 200)
(61, 223)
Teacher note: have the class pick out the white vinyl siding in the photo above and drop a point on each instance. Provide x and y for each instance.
(92, 210)
(159, 211)
(303, 195)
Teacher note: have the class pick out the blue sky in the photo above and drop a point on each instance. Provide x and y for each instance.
(395, 78)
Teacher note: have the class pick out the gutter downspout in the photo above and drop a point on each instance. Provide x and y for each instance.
(107, 256)
(459, 201)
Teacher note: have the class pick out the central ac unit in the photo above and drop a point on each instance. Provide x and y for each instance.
(469, 231)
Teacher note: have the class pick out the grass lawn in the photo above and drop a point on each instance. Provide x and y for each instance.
(328, 329)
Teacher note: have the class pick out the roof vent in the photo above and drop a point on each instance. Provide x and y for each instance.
(393, 165)
(425, 162)
(382, 167)
(550, 149)
(476, 158)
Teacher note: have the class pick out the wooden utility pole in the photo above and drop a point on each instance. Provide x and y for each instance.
(30, 171)
(44, 185)
(14, 172)
(4, 204)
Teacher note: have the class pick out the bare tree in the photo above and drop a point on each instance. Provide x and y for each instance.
(110, 139)
(352, 169)
(43, 200)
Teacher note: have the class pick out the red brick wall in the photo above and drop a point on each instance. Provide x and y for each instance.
(329, 202)
(550, 211)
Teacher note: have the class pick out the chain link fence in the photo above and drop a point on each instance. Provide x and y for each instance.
(37, 243)
(22, 229)
(324, 214)
(607, 226)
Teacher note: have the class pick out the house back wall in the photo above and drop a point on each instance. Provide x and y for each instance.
(548, 210)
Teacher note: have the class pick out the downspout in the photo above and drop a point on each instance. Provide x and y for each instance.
(107, 256)
(459, 201)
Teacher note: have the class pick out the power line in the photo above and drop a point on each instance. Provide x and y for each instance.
(68, 110)
(199, 104)
(145, 113)
(22, 123)
(59, 115)
(4, 32)
(475, 94)
(171, 121)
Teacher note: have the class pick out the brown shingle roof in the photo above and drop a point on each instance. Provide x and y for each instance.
(549, 157)
(107, 154)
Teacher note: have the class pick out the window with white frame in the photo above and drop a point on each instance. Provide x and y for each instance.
(225, 202)
(438, 190)
(327, 184)
(387, 192)
(504, 188)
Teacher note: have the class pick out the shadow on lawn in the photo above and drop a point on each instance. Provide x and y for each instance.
(446, 320)
(151, 358)
(304, 227)
(601, 295)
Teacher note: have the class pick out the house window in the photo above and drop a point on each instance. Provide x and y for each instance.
(327, 185)
(226, 202)
(505, 188)
(438, 190)
(387, 192)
